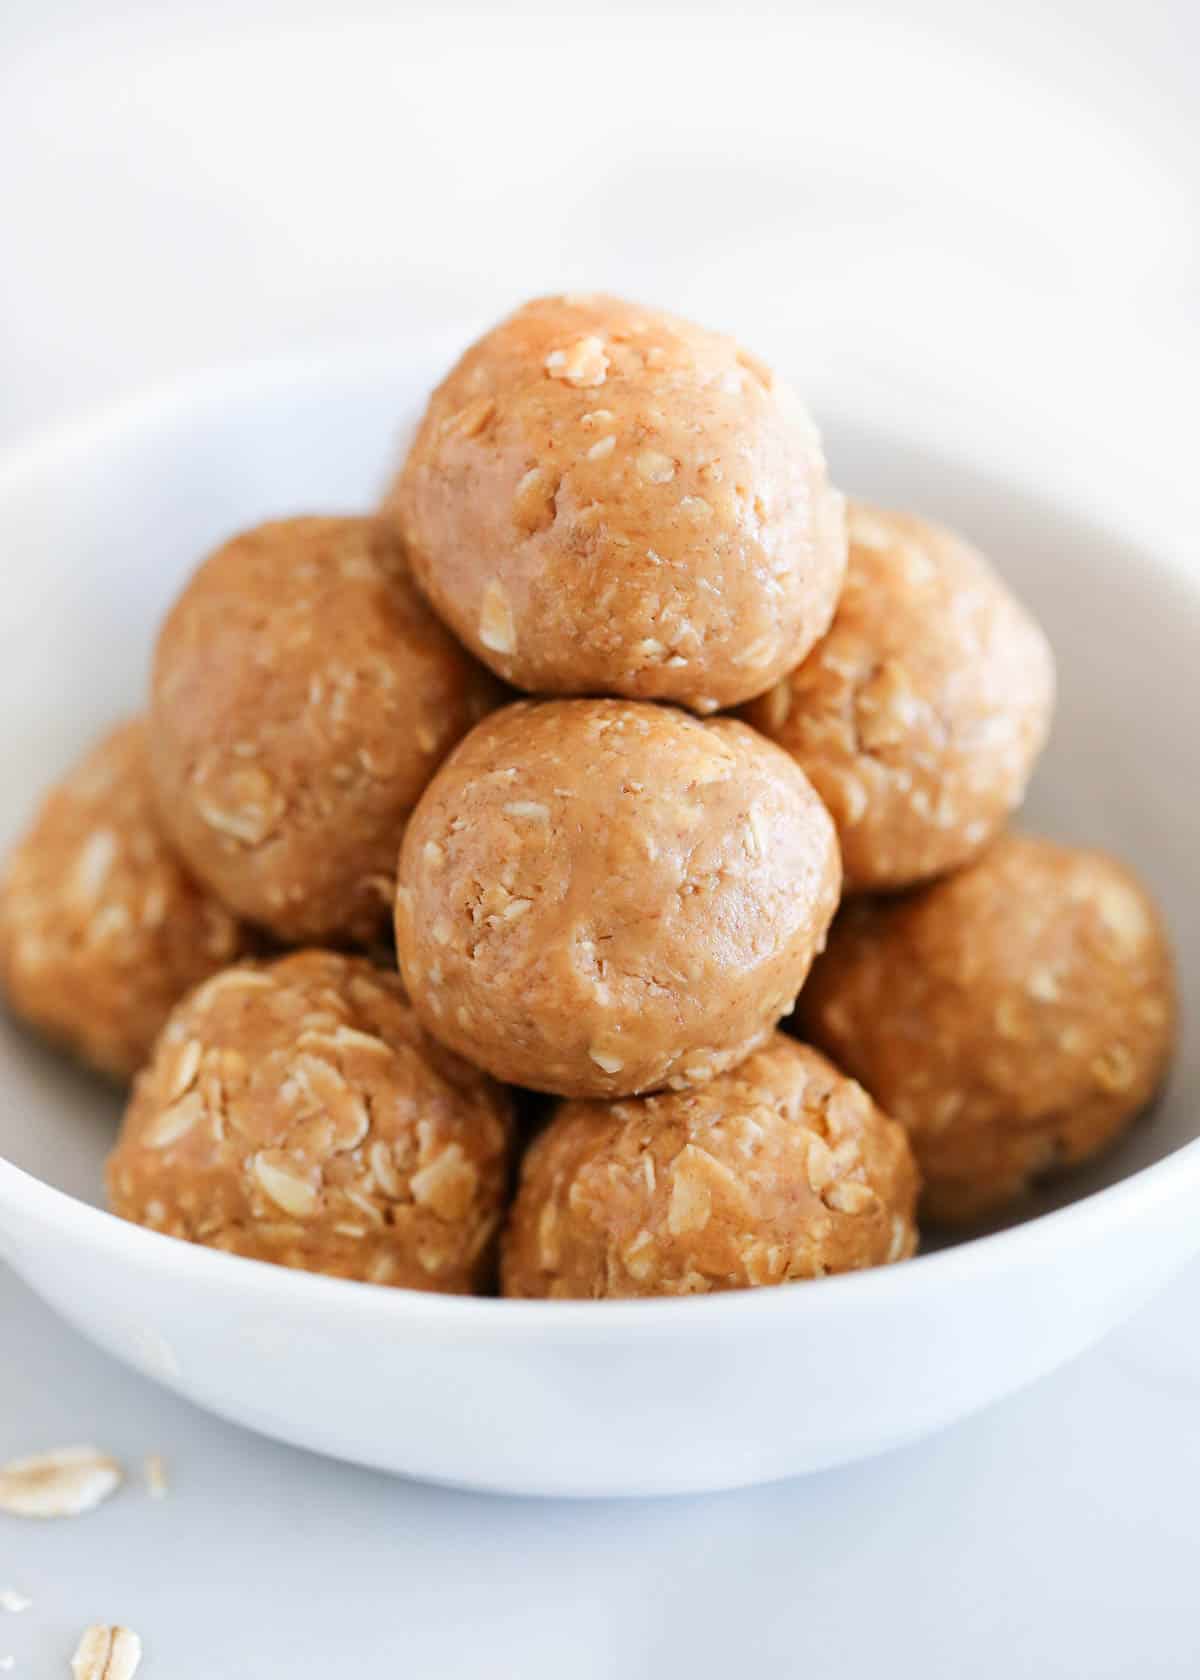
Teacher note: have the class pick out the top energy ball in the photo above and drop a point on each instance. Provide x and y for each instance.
(602, 499)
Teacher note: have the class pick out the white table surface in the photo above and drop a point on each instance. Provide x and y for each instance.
(1055, 1535)
(201, 183)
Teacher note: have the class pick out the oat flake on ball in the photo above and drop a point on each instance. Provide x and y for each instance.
(303, 694)
(599, 897)
(1015, 1017)
(920, 715)
(297, 1113)
(102, 930)
(781, 1169)
(605, 499)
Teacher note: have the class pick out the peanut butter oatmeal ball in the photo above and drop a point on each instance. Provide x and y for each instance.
(303, 695)
(102, 930)
(1015, 1017)
(920, 715)
(297, 1113)
(781, 1169)
(599, 897)
(605, 499)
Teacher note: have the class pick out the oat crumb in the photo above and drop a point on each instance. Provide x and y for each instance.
(62, 1483)
(107, 1653)
(155, 1471)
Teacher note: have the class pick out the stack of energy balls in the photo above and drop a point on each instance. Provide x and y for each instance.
(605, 893)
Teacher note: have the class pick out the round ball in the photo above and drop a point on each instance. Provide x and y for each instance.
(605, 499)
(303, 695)
(920, 715)
(1015, 1017)
(599, 897)
(102, 930)
(782, 1169)
(297, 1113)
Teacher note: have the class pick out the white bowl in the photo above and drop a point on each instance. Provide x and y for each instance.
(96, 530)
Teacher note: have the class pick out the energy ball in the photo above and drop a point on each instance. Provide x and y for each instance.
(605, 499)
(1015, 1017)
(599, 897)
(297, 1113)
(303, 694)
(782, 1169)
(102, 931)
(920, 715)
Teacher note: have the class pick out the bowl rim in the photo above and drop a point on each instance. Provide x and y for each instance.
(1144, 1194)
(26, 1199)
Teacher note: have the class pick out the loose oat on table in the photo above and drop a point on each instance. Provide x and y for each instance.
(102, 929)
(1016, 1017)
(302, 696)
(107, 1653)
(64, 1482)
(155, 1471)
(606, 499)
(603, 896)
(297, 1112)
(782, 1169)
(920, 715)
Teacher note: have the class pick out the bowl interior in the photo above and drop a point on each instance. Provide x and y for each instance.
(98, 533)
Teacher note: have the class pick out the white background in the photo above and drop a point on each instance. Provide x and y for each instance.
(190, 182)
(188, 185)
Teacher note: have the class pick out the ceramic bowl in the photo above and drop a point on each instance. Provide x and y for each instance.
(97, 528)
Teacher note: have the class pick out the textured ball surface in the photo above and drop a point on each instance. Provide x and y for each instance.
(303, 694)
(297, 1113)
(102, 929)
(919, 717)
(781, 1169)
(599, 897)
(602, 499)
(1015, 1017)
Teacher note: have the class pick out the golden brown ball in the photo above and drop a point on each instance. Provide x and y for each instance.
(919, 717)
(603, 499)
(599, 897)
(102, 930)
(303, 695)
(297, 1113)
(781, 1169)
(1016, 1017)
